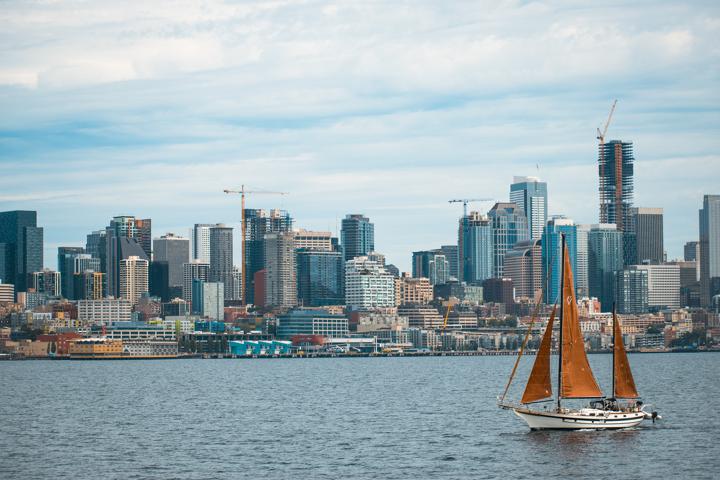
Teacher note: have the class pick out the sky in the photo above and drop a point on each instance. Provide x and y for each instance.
(386, 108)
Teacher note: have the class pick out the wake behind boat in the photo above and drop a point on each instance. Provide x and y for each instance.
(575, 379)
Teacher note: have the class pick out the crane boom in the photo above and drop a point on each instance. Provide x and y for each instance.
(601, 135)
(465, 202)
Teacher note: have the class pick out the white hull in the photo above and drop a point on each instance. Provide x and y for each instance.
(579, 419)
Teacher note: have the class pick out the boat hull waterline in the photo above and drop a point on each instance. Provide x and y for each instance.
(577, 420)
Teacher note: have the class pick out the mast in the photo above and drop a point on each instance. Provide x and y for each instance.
(612, 392)
(562, 314)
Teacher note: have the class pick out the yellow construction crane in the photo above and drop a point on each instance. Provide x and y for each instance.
(450, 304)
(242, 192)
(465, 202)
(601, 135)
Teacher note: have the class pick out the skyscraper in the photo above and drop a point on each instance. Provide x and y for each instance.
(201, 242)
(320, 277)
(552, 254)
(314, 240)
(125, 237)
(690, 251)
(280, 270)
(581, 270)
(368, 285)
(175, 251)
(96, 245)
(133, 273)
(477, 247)
(605, 257)
(89, 285)
(631, 290)
(66, 267)
(509, 227)
(451, 254)
(615, 168)
(257, 224)
(648, 226)
(357, 235)
(21, 247)
(709, 247)
(523, 264)
(194, 270)
(159, 280)
(47, 282)
(221, 258)
(663, 285)
(431, 264)
(530, 195)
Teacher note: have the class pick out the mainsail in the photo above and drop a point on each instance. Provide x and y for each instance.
(577, 380)
(623, 382)
(539, 386)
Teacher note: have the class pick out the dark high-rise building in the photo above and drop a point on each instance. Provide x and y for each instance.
(175, 251)
(320, 278)
(605, 257)
(615, 168)
(509, 227)
(221, 258)
(89, 285)
(709, 249)
(500, 290)
(648, 227)
(451, 254)
(46, 282)
(96, 246)
(159, 280)
(631, 291)
(125, 237)
(21, 247)
(257, 224)
(66, 267)
(690, 251)
(357, 236)
(431, 264)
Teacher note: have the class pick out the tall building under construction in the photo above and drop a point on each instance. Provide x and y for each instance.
(615, 168)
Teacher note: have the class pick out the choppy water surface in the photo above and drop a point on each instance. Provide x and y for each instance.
(336, 418)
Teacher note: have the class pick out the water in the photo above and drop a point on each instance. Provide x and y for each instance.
(360, 418)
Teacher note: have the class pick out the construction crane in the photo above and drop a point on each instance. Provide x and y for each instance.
(242, 192)
(465, 202)
(601, 135)
(450, 304)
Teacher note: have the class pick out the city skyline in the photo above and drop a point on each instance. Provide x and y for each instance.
(132, 125)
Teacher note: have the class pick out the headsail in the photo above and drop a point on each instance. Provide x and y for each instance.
(577, 378)
(539, 386)
(624, 384)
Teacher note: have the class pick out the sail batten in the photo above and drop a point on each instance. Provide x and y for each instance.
(539, 386)
(577, 380)
(623, 381)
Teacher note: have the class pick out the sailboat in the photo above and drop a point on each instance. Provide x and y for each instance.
(575, 379)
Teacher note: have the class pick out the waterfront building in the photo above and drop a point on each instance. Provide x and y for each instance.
(280, 270)
(421, 316)
(431, 264)
(605, 257)
(89, 285)
(311, 240)
(530, 195)
(133, 278)
(552, 254)
(451, 255)
(357, 235)
(104, 311)
(476, 247)
(709, 249)
(125, 237)
(305, 321)
(46, 281)
(509, 227)
(21, 247)
(615, 168)
(194, 270)
(648, 227)
(175, 251)
(320, 277)
(368, 285)
(663, 286)
(201, 242)
(523, 264)
(66, 267)
(259, 222)
(500, 290)
(631, 290)
(411, 290)
(221, 258)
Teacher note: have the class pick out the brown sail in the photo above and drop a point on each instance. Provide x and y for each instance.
(539, 386)
(623, 379)
(577, 380)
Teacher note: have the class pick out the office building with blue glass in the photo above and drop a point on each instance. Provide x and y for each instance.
(320, 277)
(552, 254)
(477, 248)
